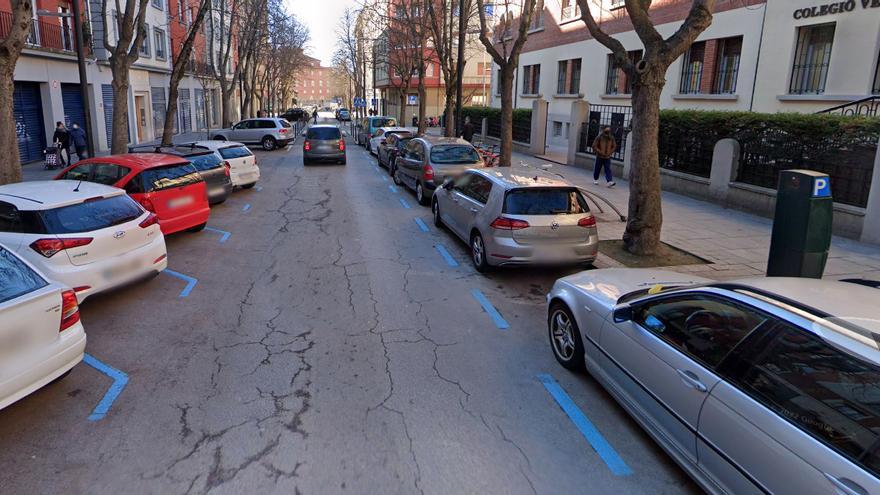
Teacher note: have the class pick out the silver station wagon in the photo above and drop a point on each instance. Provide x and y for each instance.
(517, 216)
(768, 385)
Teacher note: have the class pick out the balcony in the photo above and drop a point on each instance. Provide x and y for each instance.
(45, 34)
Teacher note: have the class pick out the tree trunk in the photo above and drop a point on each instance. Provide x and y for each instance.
(226, 95)
(171, 113)
(506, 115)
(422, 103)
(119, 140)
(402, 118)
(449, 111)
(10, 49)
(645, 216)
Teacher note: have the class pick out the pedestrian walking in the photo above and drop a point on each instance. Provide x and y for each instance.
(61, 139)
(315, 115)
(604, 146)
(415, 121)
(467, 130)
(78, 137)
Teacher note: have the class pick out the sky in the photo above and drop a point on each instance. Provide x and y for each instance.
(321, 16)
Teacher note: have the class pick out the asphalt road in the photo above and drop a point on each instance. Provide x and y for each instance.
(327, 347)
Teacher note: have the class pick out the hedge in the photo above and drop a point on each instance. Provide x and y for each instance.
(522, 120)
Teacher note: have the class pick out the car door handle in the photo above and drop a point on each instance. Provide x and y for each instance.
(474, 210)
(846, 486)
(691, 380)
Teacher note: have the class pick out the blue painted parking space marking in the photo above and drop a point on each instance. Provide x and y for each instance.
(120, 379)
(384, 179)
(190, 281)
(392, 188)
(493, 313)
(246, 207)
(225, 235)
(258, 188)
(612, 459)
(446, 256)
(422, 225)
(404, 203)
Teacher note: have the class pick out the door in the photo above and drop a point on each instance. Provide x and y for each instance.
(107, 99)
(412, 163)
(29, 129)
(243, 131)
(74, 108)
(185, 111)
(201, 114)
(140, 110)
(157, 97)
(662, 359)
(469, 201)
(452, 202)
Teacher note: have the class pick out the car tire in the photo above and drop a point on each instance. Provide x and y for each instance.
(306, 161)
(435, 211)
(478, 253)
(198, 228)
(269, 143)
(342, 162)
(248, 186)
(565, 337)
(395, 177)
(391, 168)
(420, 195)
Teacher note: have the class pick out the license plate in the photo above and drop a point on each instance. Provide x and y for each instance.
(180, 202)
(121, 269)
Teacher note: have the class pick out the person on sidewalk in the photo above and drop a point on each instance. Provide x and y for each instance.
(467, 130)
(61, 139)
(78, 137)
(604, 146)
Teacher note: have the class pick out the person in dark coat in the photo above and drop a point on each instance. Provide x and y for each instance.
(78, 137)
(467, 130)
(61, 139)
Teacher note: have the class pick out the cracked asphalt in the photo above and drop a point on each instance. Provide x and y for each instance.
(327, 348)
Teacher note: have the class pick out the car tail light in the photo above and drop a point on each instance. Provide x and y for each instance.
(69, 310)
(282, 131)
(428, 172)
(227, 167)
(160, 258)
(341, 145)
(82, 288)
(589, 221)
(147, 204)
(502, 223)
(152, 219)
(49, 247)
(307, 146)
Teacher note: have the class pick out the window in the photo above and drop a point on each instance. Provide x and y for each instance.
(157, 3)
(157, 179)
(828, 393)
(711, 67)
(189, 17)
(692, 69)
(537, 16)
(531, 79)
(159, 43)
(18, 278)
(79, 172)
(475, 187)
(235, 152)
(245, 124)
(702, 327)
(454, 155)
(145, 43)
(107, 173)
(544, 201)
(180, 10)
(498, 82)
(570, 10)
(727, 65)
(812, 57)
(568, 78)
(616, 81)
(876, 89)
(91, 215)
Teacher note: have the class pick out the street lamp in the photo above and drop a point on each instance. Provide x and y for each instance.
(81, 62)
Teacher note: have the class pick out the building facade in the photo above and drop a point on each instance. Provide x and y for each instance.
(315, 84)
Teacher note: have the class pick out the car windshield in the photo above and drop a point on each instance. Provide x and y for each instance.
(384, 122)
(323, 133)
(545, 201)
(454, 154)
(182, 174)
(90, 215)
(208, 161)
(18, 278)
(235, 152)
(285, 123)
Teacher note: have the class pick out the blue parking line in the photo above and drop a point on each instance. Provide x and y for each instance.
(223, 237)
(493, 313)
(404, 203)
(612, 459)
(384, 179)
(258, 188)
(120, 379)
(392, 188)
(446, 256)
(422, 225)
(246, 207)
(190, 282)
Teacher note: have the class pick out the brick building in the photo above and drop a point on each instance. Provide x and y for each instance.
(315, 84)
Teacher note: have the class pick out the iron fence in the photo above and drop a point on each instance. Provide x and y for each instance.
(522, 129)
(43, 34)
(617, 117)
(683, 150)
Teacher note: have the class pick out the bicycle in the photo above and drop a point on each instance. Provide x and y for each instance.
(491, 158)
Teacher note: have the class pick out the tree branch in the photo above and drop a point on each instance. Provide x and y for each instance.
(621, 59)
(642, 24)
(698, 19)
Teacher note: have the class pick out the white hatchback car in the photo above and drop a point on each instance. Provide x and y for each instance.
(85, 235)
(243, 169)
(378, 136)
(41, 336)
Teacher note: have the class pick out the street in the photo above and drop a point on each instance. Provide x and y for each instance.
(335, 341)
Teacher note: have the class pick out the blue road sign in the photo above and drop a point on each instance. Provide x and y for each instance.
(821, 187)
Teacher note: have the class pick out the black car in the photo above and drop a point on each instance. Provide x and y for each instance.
(211, 167)
(294, 115)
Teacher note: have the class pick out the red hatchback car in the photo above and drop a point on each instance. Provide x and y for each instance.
(166, 185)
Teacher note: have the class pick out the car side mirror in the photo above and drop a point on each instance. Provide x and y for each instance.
(344, 134)
(449, 184)
(623, 313)
(303, 133)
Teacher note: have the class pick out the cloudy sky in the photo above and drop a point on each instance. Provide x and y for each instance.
(321, 17)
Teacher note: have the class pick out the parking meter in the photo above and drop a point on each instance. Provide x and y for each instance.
(801, 225)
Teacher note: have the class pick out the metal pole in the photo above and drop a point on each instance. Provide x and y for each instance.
(463, 10)
(83, 79)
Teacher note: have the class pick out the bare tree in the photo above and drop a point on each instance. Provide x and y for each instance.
(505, 49)
(181, 61)
(444, 33)
(10, 49)
(131, 30)
(648, 76)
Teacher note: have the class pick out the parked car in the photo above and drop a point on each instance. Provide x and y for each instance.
(428, 161)
(270, 133)
(243, 169)
(167, 185)
(765, 385)
(517, 216)
(383, 132)
(343, 115)
(87, 236)
(210, 165)
(41, 336)
(294, 115)
(323, 143)
(368, 125)
(389, 151)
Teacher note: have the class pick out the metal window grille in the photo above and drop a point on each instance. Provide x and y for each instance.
(570, 10)
(692, 69)
(812, 58)
(727, 67)
(560, 77)
(611, 76)
(527, 79)
(538, 16)
(617, 117)
(575, 83)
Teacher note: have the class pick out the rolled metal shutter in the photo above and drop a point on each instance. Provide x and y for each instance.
(74, 107)
(159, 108)
(185, 111)
(107, 97)
(29, 128)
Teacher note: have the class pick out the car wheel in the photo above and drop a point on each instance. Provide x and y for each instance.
(420, 195)
(565, 338)
(306, 161)
(478, 253)
(248, 186)
(198, 228)
(435, 210)
(391, 168)
(269, 143)
(396, 177)
(342, 162)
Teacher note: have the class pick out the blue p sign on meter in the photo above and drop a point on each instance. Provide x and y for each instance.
(821, 187)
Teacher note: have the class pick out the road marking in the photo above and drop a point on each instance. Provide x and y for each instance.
(223, 237)
(493, 313)
(392, 188)
(384, 178)
(258, 188)
(446, 256)
(190, 281)
(612, 459)
(246, 207)
(120, 379)
(422, 225)
(404, 203)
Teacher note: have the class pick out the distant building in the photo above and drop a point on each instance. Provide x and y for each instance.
(315, 84)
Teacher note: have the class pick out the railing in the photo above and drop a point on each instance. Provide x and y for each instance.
(617, 117)
(44, 33)
(522, 129)
(866, 107)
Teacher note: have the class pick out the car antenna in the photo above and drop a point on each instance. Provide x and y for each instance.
(76, 189)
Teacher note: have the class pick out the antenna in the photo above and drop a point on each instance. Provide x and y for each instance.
(76, 189)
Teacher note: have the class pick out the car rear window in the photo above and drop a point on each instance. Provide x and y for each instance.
(549, 201)
(384, 122)
(156, 179)
(401, 143)
(208, 161)
(323, 133)
(90, 215)
(285, 123)
(17, 278)
(235, 152)
(454, 154)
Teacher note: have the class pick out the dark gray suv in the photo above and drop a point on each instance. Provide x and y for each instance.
(426, 162)
(323, 143)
